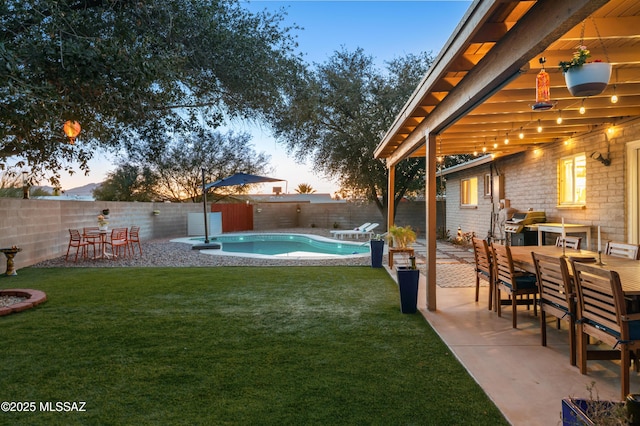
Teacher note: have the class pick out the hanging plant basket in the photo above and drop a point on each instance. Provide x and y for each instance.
(588, 80)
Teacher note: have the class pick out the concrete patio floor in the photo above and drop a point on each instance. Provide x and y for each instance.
(524, 379)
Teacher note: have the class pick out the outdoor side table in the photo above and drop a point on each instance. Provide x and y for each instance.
(10, 254)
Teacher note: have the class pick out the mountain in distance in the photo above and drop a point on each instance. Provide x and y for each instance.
(85, 190)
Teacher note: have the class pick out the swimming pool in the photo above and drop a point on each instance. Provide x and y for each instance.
(274, 245)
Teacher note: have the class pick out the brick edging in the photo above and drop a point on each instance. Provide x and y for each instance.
(34, 298)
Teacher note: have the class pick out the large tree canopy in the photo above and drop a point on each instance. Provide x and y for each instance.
(342, 115)
(171, 170)
(129, 68)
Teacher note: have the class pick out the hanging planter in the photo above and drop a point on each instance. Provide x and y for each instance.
(585, 78)
(588, 80)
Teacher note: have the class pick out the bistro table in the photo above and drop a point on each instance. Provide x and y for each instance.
(628, 269)
(102, 234)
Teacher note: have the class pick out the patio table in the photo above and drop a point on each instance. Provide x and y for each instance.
(628, 269)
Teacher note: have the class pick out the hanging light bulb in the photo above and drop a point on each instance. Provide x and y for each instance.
(539, 126)
(506, 139)
(559, 119)
(495, 145)
(521, 134)
(582, 109)
(484, 149)
(614, 97)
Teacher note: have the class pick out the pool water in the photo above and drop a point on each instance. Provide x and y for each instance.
(287, 244)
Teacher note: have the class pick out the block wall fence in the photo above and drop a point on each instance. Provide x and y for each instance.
(40, 227)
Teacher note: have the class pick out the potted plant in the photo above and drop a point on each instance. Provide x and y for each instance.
(408, 279)
(402, 236)
(156, 212)
(594, 411)
(585, 78)
(377, 250)
(105, 212)
(102, 223)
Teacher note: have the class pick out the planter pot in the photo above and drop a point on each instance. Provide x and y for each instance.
(408, 287)
(588, 80)
(103, 228)
(105, 212)
(577, 411)
(377, 250)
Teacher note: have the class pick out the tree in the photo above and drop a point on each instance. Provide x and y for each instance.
(305, 188)
(128, 183)
(342, 114)
(171, 169)
(124, 68)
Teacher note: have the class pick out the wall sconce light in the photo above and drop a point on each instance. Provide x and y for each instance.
(596, 155)
(259, 210)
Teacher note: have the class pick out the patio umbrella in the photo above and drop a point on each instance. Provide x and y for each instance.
(236, 179)
(240, 179)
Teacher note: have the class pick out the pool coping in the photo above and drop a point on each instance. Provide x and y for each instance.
(288, 256)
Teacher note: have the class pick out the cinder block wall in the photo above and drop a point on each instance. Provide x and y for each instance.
(40, 227)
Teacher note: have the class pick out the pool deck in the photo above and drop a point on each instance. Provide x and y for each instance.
(524, 379)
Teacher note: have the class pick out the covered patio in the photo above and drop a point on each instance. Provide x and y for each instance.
(524, 379)
(478, 95)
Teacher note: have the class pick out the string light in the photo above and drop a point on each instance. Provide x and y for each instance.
(506, 139)
(539, 126)
(559, 119)
(521, 134)
(614, 97)
(582, 109)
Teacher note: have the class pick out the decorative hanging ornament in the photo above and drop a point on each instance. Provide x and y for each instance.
(543, 89)
(72, 130)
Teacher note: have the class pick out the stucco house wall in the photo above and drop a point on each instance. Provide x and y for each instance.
(531, 182)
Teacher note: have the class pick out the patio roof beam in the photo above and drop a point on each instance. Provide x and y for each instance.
(539, 28)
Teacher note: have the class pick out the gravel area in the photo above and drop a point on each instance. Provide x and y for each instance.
(163, 252)
(10, 300)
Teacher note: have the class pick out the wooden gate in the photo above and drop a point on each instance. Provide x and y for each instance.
(235, 217)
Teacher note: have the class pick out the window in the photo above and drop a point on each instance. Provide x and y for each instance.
(469, 192)
(573, 180)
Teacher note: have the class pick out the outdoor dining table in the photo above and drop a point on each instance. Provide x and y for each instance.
(103, 243)
(628, 269)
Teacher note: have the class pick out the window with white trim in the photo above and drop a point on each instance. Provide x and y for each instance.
(469, 192)
(572, 180)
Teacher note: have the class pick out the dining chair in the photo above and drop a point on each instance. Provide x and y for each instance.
(118, 241)
(569, 242)
(76, 241)
(629, 251)
(557, 297)
(91, 235)
(134, 238)
(514, 283)
(602, 314)
(483, 267)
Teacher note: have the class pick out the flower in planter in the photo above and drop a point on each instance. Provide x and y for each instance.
(579, 58)
(102, 221)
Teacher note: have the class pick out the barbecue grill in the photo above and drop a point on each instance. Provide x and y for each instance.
(517, 230)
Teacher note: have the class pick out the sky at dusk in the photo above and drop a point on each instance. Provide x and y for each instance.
(383, 29)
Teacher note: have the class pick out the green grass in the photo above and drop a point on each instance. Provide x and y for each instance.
(238, 346)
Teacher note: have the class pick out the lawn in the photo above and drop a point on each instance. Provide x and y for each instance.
(237, 346)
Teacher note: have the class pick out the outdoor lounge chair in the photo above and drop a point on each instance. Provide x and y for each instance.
(366, 231)
(357, 228)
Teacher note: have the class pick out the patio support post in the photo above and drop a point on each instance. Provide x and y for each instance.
(430, 221)
(391, 196)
